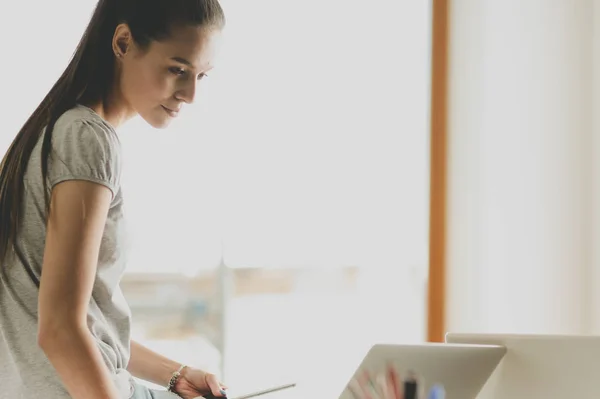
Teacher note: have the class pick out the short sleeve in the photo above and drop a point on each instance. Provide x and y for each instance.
(85, 150)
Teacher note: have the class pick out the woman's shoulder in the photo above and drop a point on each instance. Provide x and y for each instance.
(80, 126)
(82, 115)
(84, 146)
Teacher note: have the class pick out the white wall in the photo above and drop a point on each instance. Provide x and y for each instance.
(520, 176)
(35, 51)
(595, 269)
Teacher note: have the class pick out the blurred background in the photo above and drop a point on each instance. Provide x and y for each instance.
(281, 225)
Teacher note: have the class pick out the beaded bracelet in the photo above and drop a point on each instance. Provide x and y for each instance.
(174, 379)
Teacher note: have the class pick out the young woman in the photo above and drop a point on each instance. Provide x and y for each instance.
(64, 324)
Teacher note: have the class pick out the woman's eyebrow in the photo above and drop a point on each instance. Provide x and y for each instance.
(182, 61)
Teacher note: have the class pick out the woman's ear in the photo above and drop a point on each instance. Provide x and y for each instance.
(121, 40)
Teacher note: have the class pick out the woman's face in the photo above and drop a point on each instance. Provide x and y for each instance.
(157, 81)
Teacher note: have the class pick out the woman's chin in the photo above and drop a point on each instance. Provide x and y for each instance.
(161, 124)
(158, 121)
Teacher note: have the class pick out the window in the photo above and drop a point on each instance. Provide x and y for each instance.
(303, 166)
(305, 163)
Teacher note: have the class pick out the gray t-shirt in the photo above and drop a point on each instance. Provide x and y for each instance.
(84, 147)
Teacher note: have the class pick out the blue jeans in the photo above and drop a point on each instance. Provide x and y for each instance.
(143, 392)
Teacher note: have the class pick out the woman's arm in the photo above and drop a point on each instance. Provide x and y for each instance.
(76, 222)
(150, 366)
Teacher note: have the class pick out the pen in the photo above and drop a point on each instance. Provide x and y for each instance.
(374, 392)
(374, 388)
(367, 386)
(393, 383)
(352, 390)
(383, 387)
(410, 387)
(437, 392)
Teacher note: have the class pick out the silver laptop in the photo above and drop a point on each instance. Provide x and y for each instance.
(462, 369)
(541, 366)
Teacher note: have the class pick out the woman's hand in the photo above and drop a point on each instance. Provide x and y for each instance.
(193, 383)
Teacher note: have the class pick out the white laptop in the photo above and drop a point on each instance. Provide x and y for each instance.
(462, 369)
(541, 366)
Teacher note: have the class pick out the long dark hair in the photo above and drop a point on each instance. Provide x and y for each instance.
(87, 80)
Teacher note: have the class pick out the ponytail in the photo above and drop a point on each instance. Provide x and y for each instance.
(87, 77)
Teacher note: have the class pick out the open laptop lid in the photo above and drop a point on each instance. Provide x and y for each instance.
(462, 369)
(541, 366)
